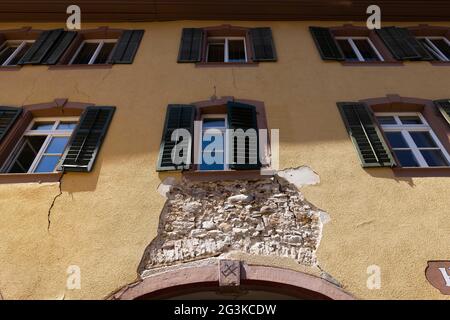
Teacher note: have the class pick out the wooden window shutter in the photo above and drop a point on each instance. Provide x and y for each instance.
(444, 107)
(85, 143)
(402, 44)
(263, 44)
(127, 46)
(327, 45)
(243, 116)
(191, 45)
(367, 138)
(59, 47)
(178, 116)
(8, 116)
(41, 47)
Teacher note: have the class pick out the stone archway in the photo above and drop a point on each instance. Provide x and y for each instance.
(220, 279)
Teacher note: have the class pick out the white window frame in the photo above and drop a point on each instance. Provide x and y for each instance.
(406, 128)
(16, 52)
(434, 49)
(355, 47)
(53, 132)
(225, 144)
(226, 53)
(100, 42)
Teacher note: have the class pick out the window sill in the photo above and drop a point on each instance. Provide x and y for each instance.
(226, 64)
(224, 175)
(80, 66)
(422, 172)
(30, 177)
(440, 63)
(372, 63)
(10, 68)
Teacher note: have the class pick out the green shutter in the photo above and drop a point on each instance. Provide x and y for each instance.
(191, 45)
(178, 116)
(365, 135)
(263, 45)
(127, 46)
(243, 116)
(85, 143)
(402, 44)
(444, 107)
(8, 116)
(59, 47)
(41, 47)
(327, 45)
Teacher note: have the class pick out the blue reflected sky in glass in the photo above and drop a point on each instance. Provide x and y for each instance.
(43, 126)
(57, 145)
(47, 164)
(396, 140)
(67, 126)
(423, 139)
(406, 158)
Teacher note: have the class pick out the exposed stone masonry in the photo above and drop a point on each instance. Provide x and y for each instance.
(263, 217)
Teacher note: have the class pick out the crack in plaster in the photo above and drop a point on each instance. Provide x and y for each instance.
(53, 203)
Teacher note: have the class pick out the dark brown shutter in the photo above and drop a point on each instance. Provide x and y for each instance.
(59, 47)
(8, 116)
(41, 47)
(365, 135)
(402, 44)
(263, 45)
(127, 46)
(243, 116)
(178, 116)
(191, 45)
(327, 45)
(85, 143)
(444, 108)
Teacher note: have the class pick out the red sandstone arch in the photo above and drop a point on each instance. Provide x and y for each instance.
(189, 279)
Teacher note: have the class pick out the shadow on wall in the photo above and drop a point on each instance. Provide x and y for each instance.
(388, 173)
(73, 182)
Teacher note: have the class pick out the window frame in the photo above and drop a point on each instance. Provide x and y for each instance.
(226, 49)
(16, 51)
(101, 43)
(355, 48)
(225, 144)
(49, 135)
(435, 50)
(405, 129)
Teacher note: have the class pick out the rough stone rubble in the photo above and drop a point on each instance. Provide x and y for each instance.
(262, 217)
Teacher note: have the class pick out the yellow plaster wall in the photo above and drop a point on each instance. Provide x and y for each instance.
(103, 220)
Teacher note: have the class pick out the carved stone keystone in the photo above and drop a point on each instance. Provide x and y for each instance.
(229, 273)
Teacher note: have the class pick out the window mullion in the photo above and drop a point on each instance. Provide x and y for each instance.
(38, 157)
(226, 57)
(415, 150)
(15, 53)
(437, 51)
(97, 51)
(356, 50)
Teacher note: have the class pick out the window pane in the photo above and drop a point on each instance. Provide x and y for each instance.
(20, 54)
(423, 139)
(236, 51)
(57, 145)
(104, 53)
(442, 45)
(85, 54)
(213, 123)
(396, 140)
(406, 158)
(31, 146)
(47, 164)
(347, 49)
(386, 120)
(434, 158)
(43, 126)
(410, 120)
(66, 126)
(216, 52)
(6, 53)
(366, 50)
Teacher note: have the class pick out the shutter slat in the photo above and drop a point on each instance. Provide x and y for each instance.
(366, 137)
(327, 45)
(127, 46)
(402, 44)
(243, 116)
(41, 47)
(177, 117)
(59, 47)
(444, 108)
(263, 44)
(191, 45)
(85, 143)
(8, 116)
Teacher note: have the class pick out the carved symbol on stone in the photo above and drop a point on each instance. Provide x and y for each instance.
(229, 273)
(438, 274)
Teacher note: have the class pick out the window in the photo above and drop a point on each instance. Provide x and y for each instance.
(358, 49)
(93, 52)
(41, 146)
(230, 49)
(12, 51)
(437, 47)
(212, 142)
(412, 140)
